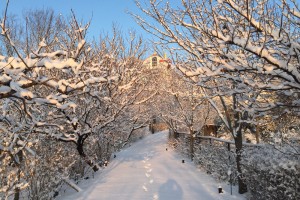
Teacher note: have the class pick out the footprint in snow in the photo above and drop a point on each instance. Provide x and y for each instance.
(147, 166)
(145, 188)
(147, 175)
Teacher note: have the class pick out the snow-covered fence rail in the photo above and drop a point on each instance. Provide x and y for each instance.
(269, 173)
(211, 139)
(228, 142)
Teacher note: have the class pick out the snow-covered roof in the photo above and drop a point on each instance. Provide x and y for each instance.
(155, 60)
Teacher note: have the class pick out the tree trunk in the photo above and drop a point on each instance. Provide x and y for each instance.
(239, 148)
(80, 150)
(17, 190)
(257, 134)
(192, 141)
(151, 127)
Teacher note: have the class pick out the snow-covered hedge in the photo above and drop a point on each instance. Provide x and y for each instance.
(212, 157)
(216, 160)
(269, 173)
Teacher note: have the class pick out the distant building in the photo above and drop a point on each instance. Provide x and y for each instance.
(156, 60)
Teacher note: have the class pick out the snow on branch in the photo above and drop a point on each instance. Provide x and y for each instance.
(72, 184)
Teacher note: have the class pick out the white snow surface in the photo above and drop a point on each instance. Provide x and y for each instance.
(146, 171)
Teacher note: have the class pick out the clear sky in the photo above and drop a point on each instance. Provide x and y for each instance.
(102, 12)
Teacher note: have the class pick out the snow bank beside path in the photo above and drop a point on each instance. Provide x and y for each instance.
(146, 171)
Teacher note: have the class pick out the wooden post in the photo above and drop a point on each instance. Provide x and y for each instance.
(220, 189)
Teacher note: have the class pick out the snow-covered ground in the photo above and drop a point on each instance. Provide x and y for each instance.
(146, 171)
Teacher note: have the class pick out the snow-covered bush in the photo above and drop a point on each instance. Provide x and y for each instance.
(272, 174)
(215, 159)
(179, 142)
(269, 171)
(45, 172)
(212, 157)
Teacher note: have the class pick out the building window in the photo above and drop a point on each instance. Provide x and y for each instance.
(154, 61)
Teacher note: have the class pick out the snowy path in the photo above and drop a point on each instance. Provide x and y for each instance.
(146, 171)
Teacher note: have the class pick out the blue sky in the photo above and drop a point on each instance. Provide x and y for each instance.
(103, 12)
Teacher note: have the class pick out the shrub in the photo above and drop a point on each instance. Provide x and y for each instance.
(269, 173)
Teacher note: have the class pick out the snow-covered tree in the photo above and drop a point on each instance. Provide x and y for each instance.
(244, 45)
(36, 91)
(179, 103)
(59, 88)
